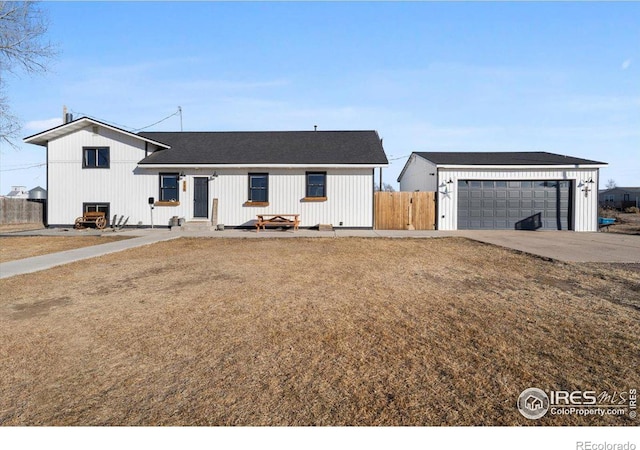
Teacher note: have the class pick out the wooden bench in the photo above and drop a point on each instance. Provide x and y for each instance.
(96, 218)
(277, 220)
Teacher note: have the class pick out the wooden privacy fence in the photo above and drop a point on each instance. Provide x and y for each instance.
(404, 210)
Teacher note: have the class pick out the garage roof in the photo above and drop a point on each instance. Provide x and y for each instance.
(503, 158)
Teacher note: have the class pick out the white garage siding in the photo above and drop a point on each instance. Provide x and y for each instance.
(418, 175)
(585, 206)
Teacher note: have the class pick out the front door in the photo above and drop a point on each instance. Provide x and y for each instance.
(200, 197)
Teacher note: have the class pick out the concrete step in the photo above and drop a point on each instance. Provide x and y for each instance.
(195, 226)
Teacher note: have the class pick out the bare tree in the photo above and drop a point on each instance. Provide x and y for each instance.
(386, 187)
(23, 49)
(611, 184)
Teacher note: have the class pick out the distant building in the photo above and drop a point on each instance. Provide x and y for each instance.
(38, 193)
(18, 192)
(619, 197)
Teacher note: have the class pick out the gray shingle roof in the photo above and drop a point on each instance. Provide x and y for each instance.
(502, 158)
(267, 147)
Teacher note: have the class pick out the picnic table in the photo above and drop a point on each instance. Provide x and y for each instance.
(279, 220)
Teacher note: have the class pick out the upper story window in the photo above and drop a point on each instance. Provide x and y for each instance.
(169, 187)
(95, 157)
(259, 187)
(316, 184)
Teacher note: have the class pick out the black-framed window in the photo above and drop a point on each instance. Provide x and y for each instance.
(169, 191)
(316, 184)
(97, 207)
(258, 187)
(95, 157)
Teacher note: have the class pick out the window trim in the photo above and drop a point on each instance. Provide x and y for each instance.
(161, 200)
(318, 198)
(250, 201)
(96, 149)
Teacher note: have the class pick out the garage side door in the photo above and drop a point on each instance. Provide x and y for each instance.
(509, 205)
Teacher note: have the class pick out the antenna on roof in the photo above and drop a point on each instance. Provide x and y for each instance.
(315, 128)
(180, 112)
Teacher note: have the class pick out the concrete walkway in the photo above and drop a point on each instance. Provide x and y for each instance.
(37, 263)
(561, 245)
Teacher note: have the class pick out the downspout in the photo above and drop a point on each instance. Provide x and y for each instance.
(373, 198)
(594, 222)
(436, 198)
(45, 218)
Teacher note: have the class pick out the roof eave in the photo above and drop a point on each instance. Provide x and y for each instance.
(44, 137)
(521, 166)
(262, 166)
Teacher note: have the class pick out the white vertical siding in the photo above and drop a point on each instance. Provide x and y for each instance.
(417, 175)
(585, 205)
(69, 185)
(127, 187)
(349, 196)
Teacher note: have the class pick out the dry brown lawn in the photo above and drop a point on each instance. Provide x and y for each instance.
(19, 247)
(312, 332)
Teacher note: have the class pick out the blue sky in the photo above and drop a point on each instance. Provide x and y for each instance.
(432, 76)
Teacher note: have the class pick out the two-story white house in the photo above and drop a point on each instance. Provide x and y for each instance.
(327, 177)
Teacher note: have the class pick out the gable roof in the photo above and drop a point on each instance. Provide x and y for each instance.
(503, 159)
(633, 190)
(487, 159)
(253, 148)
(45, 136)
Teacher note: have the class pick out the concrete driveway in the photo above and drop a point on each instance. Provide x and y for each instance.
(564, 245)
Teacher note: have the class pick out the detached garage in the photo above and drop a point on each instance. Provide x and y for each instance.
(507, 190)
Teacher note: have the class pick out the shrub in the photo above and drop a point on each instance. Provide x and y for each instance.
(633, 209)
(606, 212)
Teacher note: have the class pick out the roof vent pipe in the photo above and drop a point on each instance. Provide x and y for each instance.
(66, 116)
(315, 128)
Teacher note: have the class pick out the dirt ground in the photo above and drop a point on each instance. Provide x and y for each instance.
(626, 223)
(19, 247)
(313, 332)
(20, 227)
